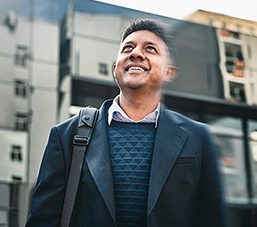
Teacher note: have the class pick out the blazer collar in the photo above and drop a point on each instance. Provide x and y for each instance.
(169, 141)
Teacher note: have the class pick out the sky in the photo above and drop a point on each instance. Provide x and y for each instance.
(179, 9)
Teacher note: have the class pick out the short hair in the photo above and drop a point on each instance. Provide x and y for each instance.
(153, 26)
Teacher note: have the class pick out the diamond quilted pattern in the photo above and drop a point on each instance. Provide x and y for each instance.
(131, 147)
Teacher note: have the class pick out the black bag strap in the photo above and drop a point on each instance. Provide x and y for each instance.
(87, 119)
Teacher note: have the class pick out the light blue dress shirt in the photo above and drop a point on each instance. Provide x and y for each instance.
(117, 114)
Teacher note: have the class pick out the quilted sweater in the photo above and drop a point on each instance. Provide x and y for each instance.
(131, 148)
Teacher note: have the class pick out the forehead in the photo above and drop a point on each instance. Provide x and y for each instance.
(144, 36)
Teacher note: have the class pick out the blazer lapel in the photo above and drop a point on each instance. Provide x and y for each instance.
(169, 141)
(99, 164)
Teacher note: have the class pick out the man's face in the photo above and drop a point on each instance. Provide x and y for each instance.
(143, 62)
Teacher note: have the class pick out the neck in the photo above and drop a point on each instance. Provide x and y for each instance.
(138, 107)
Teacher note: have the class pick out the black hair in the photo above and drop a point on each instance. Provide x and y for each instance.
(153, 26)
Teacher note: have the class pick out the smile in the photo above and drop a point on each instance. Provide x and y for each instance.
(136, 68)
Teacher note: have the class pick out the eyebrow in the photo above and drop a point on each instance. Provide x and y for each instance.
(145, 43)
(128, 42)
(151, 43)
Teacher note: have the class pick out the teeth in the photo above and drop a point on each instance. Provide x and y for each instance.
(136, 68)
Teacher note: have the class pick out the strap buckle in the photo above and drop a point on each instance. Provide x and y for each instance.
(81, 140)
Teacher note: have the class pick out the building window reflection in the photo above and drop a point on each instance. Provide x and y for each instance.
(252, 127)
(21, 121)
(103, 69)
(22, 55)
(16, 153)
(21, 88)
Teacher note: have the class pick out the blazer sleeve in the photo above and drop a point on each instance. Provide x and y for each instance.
(48, 196)
(211, 210)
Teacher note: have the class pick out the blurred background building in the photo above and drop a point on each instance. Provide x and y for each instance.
(221, 21)
(57, 56)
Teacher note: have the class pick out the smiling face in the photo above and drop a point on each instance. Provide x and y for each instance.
(143, 62)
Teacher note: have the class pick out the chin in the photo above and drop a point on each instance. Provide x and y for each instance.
(131, 85)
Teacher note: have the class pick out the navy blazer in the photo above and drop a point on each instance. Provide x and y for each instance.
(184, 188)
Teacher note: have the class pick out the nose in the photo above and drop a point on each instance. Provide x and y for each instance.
(137, 53)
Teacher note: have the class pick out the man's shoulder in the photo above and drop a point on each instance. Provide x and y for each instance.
(67, 128)
(71, 124)
(185, 122)
(179, 117)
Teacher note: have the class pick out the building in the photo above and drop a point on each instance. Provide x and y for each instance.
(29, 71)
(237, 42)
(52, 66)
(221, 21)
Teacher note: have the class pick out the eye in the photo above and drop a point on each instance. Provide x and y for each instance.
(151, 48)
(127, 48)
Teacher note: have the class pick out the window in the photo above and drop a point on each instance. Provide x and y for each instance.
(22, 55)
(233, 52)
(252, 130)
(237, 92)
(20, 88)
(22, 121)
(16, 153)
(103, 69)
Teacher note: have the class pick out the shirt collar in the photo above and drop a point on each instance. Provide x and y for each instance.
(117, 114)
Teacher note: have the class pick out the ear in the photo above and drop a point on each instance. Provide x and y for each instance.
(114, 67)
(171, 74)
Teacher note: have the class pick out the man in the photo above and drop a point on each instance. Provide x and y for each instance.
(145, 165)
